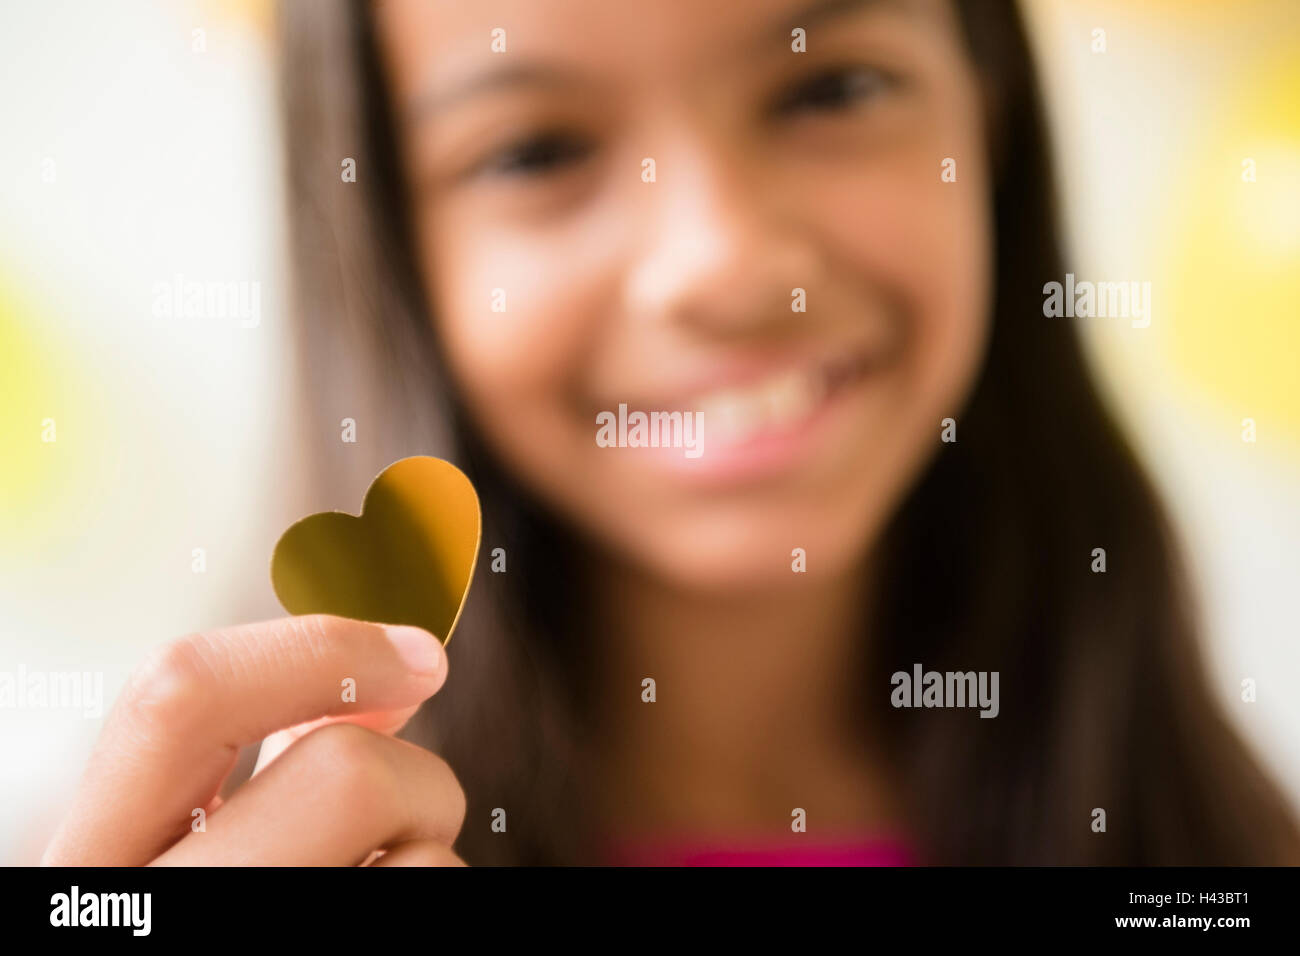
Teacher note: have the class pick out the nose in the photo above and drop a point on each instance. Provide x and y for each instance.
(719, 253)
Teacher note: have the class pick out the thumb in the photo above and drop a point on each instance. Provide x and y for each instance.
(382, 721)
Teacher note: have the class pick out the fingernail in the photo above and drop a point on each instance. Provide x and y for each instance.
(420, 650)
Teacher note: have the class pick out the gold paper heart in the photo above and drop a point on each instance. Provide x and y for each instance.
(407, 559)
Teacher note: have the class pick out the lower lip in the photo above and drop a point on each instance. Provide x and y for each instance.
(767, 454)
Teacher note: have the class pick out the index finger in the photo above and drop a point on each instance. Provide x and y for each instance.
(177, 728)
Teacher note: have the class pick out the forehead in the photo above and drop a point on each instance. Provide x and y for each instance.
(427, 40)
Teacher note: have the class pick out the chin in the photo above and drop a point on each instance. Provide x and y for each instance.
(757, 557)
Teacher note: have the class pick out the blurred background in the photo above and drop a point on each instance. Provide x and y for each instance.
(148, 459)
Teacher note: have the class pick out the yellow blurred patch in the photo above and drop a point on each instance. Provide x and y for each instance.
(258, 13)
(48, 428)
(1231, 310)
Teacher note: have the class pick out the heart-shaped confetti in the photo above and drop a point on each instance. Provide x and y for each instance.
(408, 558)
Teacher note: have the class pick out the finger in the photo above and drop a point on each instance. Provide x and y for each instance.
(383, 721)
(420, 853)
(329, 800)
(176, 729)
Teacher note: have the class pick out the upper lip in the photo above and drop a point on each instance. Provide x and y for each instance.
(743, 371)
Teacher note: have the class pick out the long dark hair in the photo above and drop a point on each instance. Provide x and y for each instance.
(987, 564)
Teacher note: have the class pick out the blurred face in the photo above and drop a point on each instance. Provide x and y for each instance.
(626, 209)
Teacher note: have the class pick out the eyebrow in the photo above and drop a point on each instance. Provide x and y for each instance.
(518, 73)
(821, 11)
(527, 73)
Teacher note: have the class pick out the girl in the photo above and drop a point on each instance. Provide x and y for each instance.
(826, 226)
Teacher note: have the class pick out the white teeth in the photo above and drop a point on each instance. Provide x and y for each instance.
(736, 415)
(731, 416)
(787, 397)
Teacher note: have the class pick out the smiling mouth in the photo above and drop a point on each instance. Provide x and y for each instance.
(753, 424)
(738, 415)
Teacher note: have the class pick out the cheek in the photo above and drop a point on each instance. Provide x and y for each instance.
(922, 248)
(503, 313)
(514, 319)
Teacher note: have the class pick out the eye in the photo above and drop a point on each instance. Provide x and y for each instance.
(537, 155)
(837, 88)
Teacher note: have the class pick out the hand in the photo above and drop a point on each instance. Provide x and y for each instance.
(331, 788)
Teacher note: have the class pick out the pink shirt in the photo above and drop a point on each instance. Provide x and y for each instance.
(875, 850)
